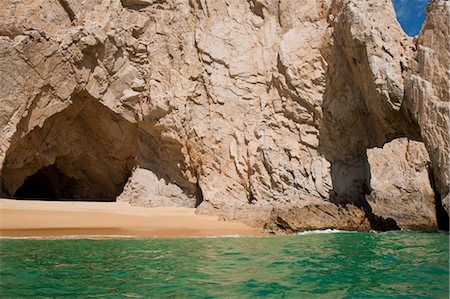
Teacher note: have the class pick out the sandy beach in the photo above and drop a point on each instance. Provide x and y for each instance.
(23, 218)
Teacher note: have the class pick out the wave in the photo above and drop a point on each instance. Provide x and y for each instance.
(323, 231)
(222, 236)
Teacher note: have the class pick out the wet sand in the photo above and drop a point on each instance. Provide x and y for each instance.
(23, 218)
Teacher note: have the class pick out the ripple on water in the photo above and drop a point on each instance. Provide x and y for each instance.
(312, 265)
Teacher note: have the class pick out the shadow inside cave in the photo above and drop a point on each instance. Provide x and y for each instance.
(51, 184)
(41, 185)
(84, 152)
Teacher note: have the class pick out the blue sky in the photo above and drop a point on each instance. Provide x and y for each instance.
(410, 14)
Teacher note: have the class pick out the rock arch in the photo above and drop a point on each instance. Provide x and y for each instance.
(363, 104)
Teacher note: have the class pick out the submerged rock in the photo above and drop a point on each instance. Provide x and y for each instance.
(268, 112)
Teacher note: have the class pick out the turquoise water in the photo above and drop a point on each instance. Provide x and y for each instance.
(331, 265)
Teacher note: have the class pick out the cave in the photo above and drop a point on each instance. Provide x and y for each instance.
(48, 183)
(84, 152)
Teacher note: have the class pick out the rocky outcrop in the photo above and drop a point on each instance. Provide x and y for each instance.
(261, 111)
(401, 187)
(428, 93)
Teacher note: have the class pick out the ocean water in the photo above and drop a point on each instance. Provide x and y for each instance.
(315, 265)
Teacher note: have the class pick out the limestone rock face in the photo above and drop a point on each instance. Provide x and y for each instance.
(144, 188)
(428, 92)
(401, 188)
(261, 111)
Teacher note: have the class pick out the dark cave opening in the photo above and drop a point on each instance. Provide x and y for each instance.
(35, 187)
(48, 183)
(198, 194)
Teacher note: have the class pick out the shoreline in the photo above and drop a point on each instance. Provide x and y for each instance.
(106, 220)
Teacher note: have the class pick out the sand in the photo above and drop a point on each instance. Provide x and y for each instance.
(25, 218)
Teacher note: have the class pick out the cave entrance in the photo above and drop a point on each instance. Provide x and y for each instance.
(48, 183)
(84, 152)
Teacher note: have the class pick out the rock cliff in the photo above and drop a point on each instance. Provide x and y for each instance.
(287, 115)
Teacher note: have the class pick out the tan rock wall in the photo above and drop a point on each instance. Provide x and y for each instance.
(427, 94)
(257, 110)
(400, 182)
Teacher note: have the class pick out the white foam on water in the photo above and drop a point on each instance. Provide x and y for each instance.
(215, 237)
(324, 231)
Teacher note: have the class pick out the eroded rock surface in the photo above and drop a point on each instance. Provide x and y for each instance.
(261, 111)
(428, 93)
(400, 182)
(87, 142)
